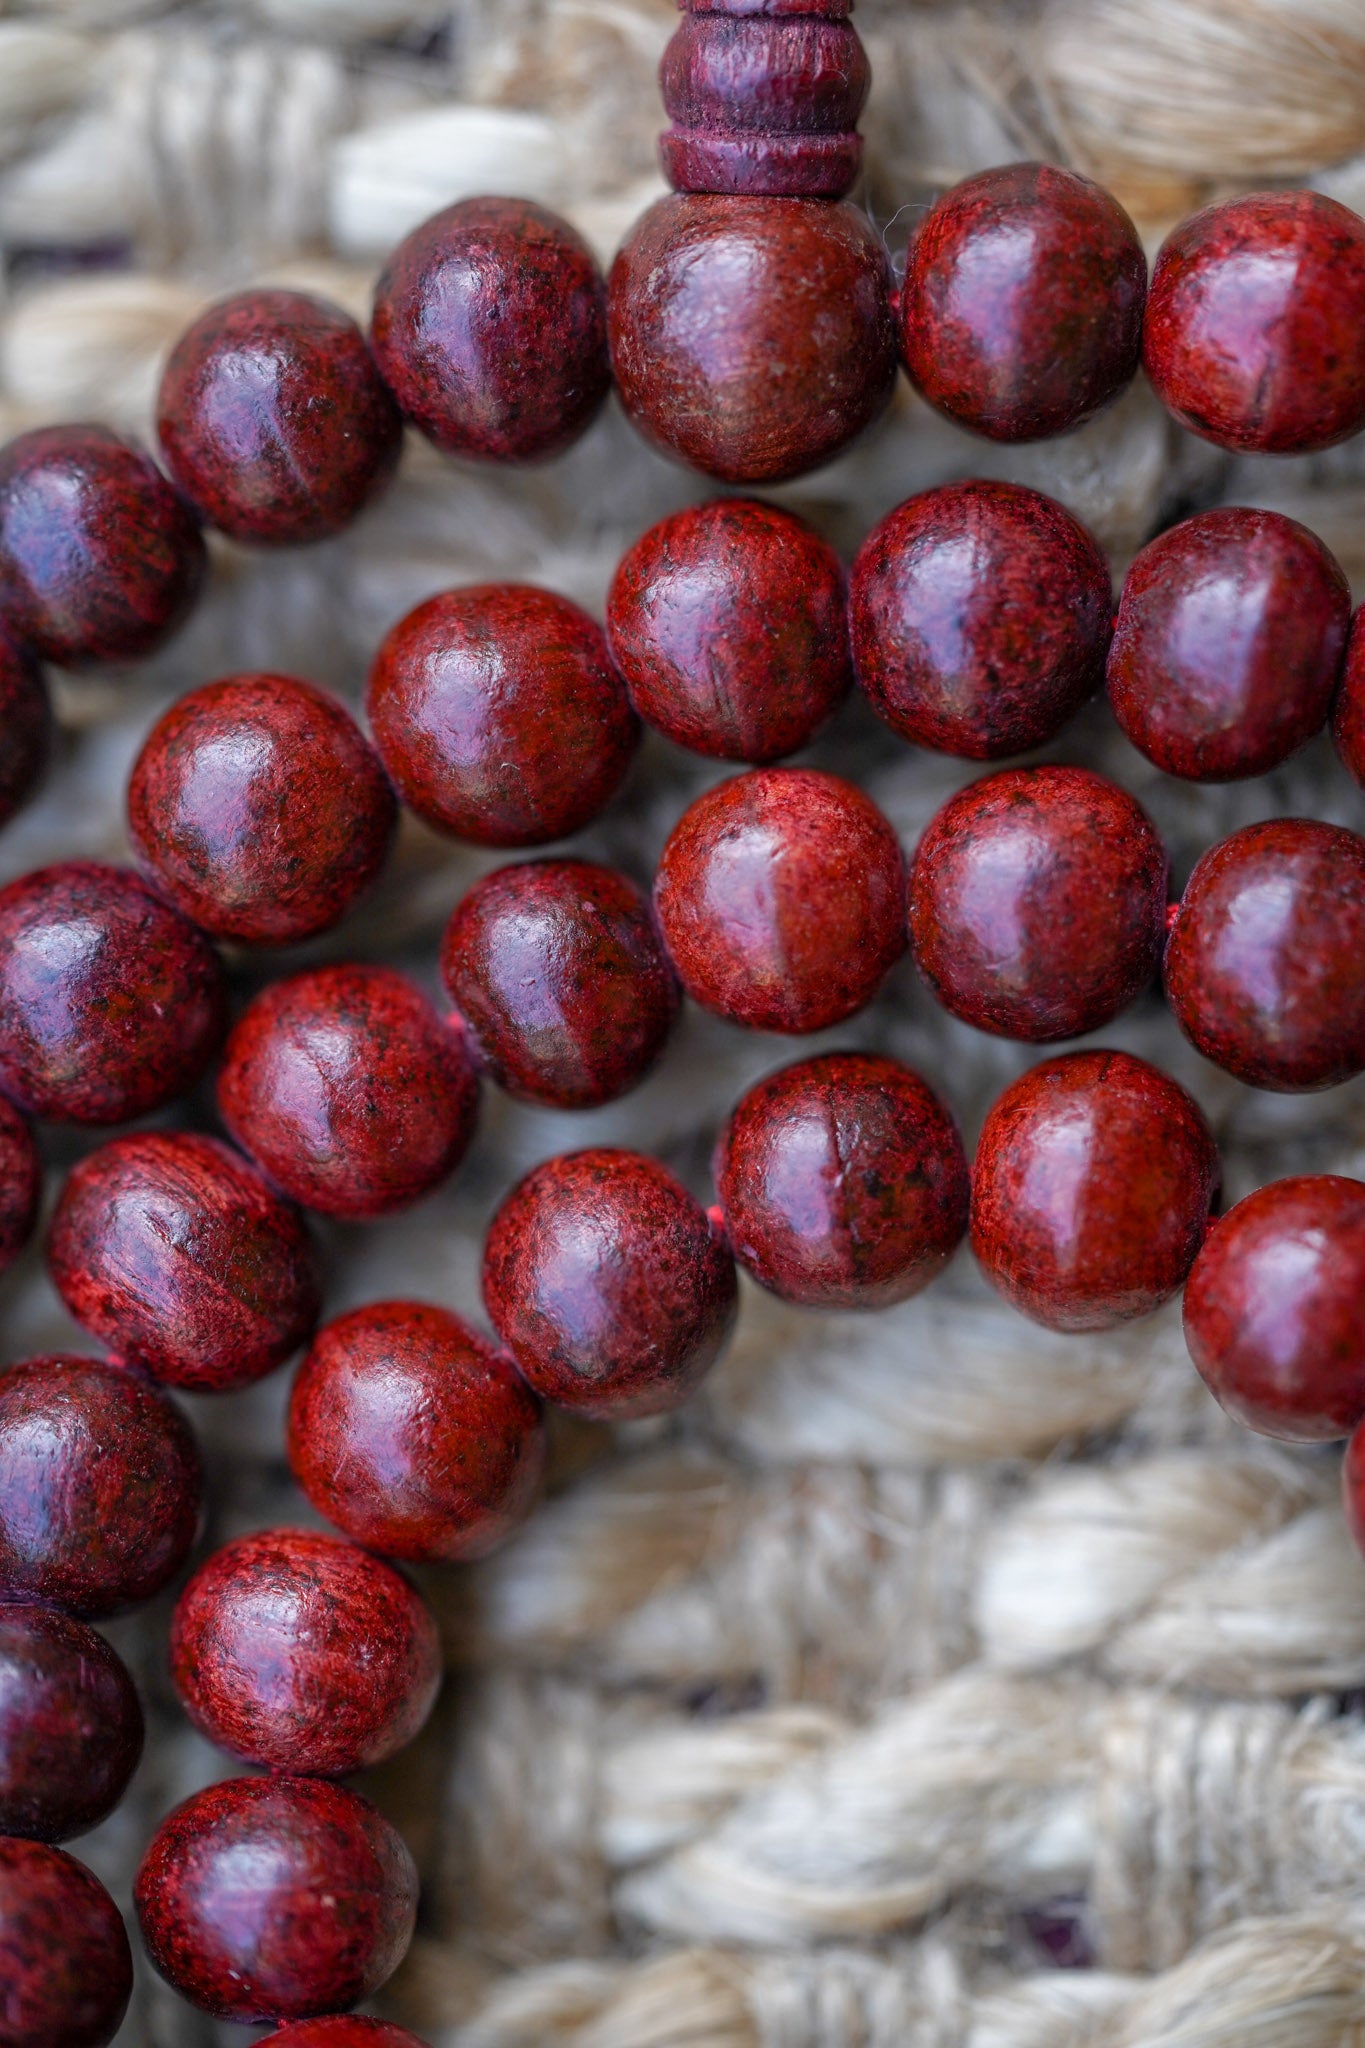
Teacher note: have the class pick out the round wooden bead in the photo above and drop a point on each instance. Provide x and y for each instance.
(20, 1184)
(1091, 1191)
(1038, 903)
(304, 1653)
(348, 1091)
(174, 1252)
(276, 1898)
(490, 327)
(410, 1432)
(25, 722)
(981, 616)
(111, 1003)
(1265, 963)
(729, 622)
(99, 1485)
(500, 716)
(1253, 323)
(348, 2030)
(70, 1726)
(1348, 712)
(99, 559)
(752, 338)
(66, 1970)
(612, 1289)
(780, 898)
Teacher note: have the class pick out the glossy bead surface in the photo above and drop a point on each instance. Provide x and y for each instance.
(1038, 903)
(981, 615)
(1348, 712)
(276, 1898)
(752, 338)
(273, 419)
(780, 899)
(70, 1724)
(111, 1003)
(25, 726)
(729, 622)
(1265, 963)
(499, 715)
(1272, 1308)
(347, 2030)
(260, 809)
(613, 1290)
(20, 1184)
(1253, 323)
(348, 1090)
(410, 1432)
(1091, 1191)
(172, 1250)
(99, 559)
(66, 1970)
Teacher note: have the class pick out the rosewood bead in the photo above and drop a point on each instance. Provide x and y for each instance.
(260, 809)
(614, 1292)
(981, 616)
(1348, 713)
(1038, 903)
(20, 1184)
(780, 898)
(66, 1971)
(346, 2031)
(276, 1898)
(1091, 1192)
(70, 1725)
(25, 726)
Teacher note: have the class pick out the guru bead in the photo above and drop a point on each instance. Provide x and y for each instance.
(70, 1725)
(346, 2031)
(20, 1183)
(66, 1970)
(25, 723)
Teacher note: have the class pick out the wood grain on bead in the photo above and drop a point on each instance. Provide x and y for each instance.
(66, 1970)
(21, 1184)
(70, 1725)
(25, 724)
(347, 2030)
(1348, 712)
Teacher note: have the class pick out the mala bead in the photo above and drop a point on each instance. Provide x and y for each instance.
(499, 715)
(981, 616)
(843, 1182)
(303, 1653)
(780, 898)
(490, 327)
(276, 1898)
(729, 622)
(259, 807)
(1253, 323)
(273, 419)
(26, 726)
(1265, 963)
(1348, 713)
(752, 338)
(20, 1184)
(99, 559)
(348, 1090)
(1038, 903)
(1094, 1178)
(66, 1970)
(173, 1251)
(411, 1433)
(614, 1292)
(70, 1725)
(346, 2031)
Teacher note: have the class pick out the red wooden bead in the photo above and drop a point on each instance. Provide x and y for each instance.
(1038, 903)
(66, 1970)
(780, 898)
(348, 1091)
(1348, 713)
(729, 622)
(99, 559)
(347, 2031)
(26, 724)
(1265, 963)
(981, 615)
(1253, 323)
(20, 1184)
(304, 1653)
(276, 1898)
(613, 1290)
(260, 809)
(1353, 1488)
(173, 1251)
(99, 1485)
(1091, 1191)
(111, 1003)
(70, 1725)
(752, 338)
(500, 716)
(411, 1433)
(273, 419)
(843, 1182)
(1272, 1308)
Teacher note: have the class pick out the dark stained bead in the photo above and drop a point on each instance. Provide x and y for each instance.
(348, 2030)
(1348, 713)
(499, 715)
(66, 1970)
(20, 1184)
(1038, 903)
(70, 1726)
(780, 899)
(981, 616)
(1091, 1192)
(613, 1290)
(260, 809)
(25, 726)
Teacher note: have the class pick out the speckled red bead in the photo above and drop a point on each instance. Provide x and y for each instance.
(981, 616)
(26, 726)
(612, 1289)
(20, 1184)
(1348, 712)
(276, 1898)
(66, 1971)
(346, 2031)
(411, 1433)
(1091, 1191)
(1037, 903)
(70, 1725)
